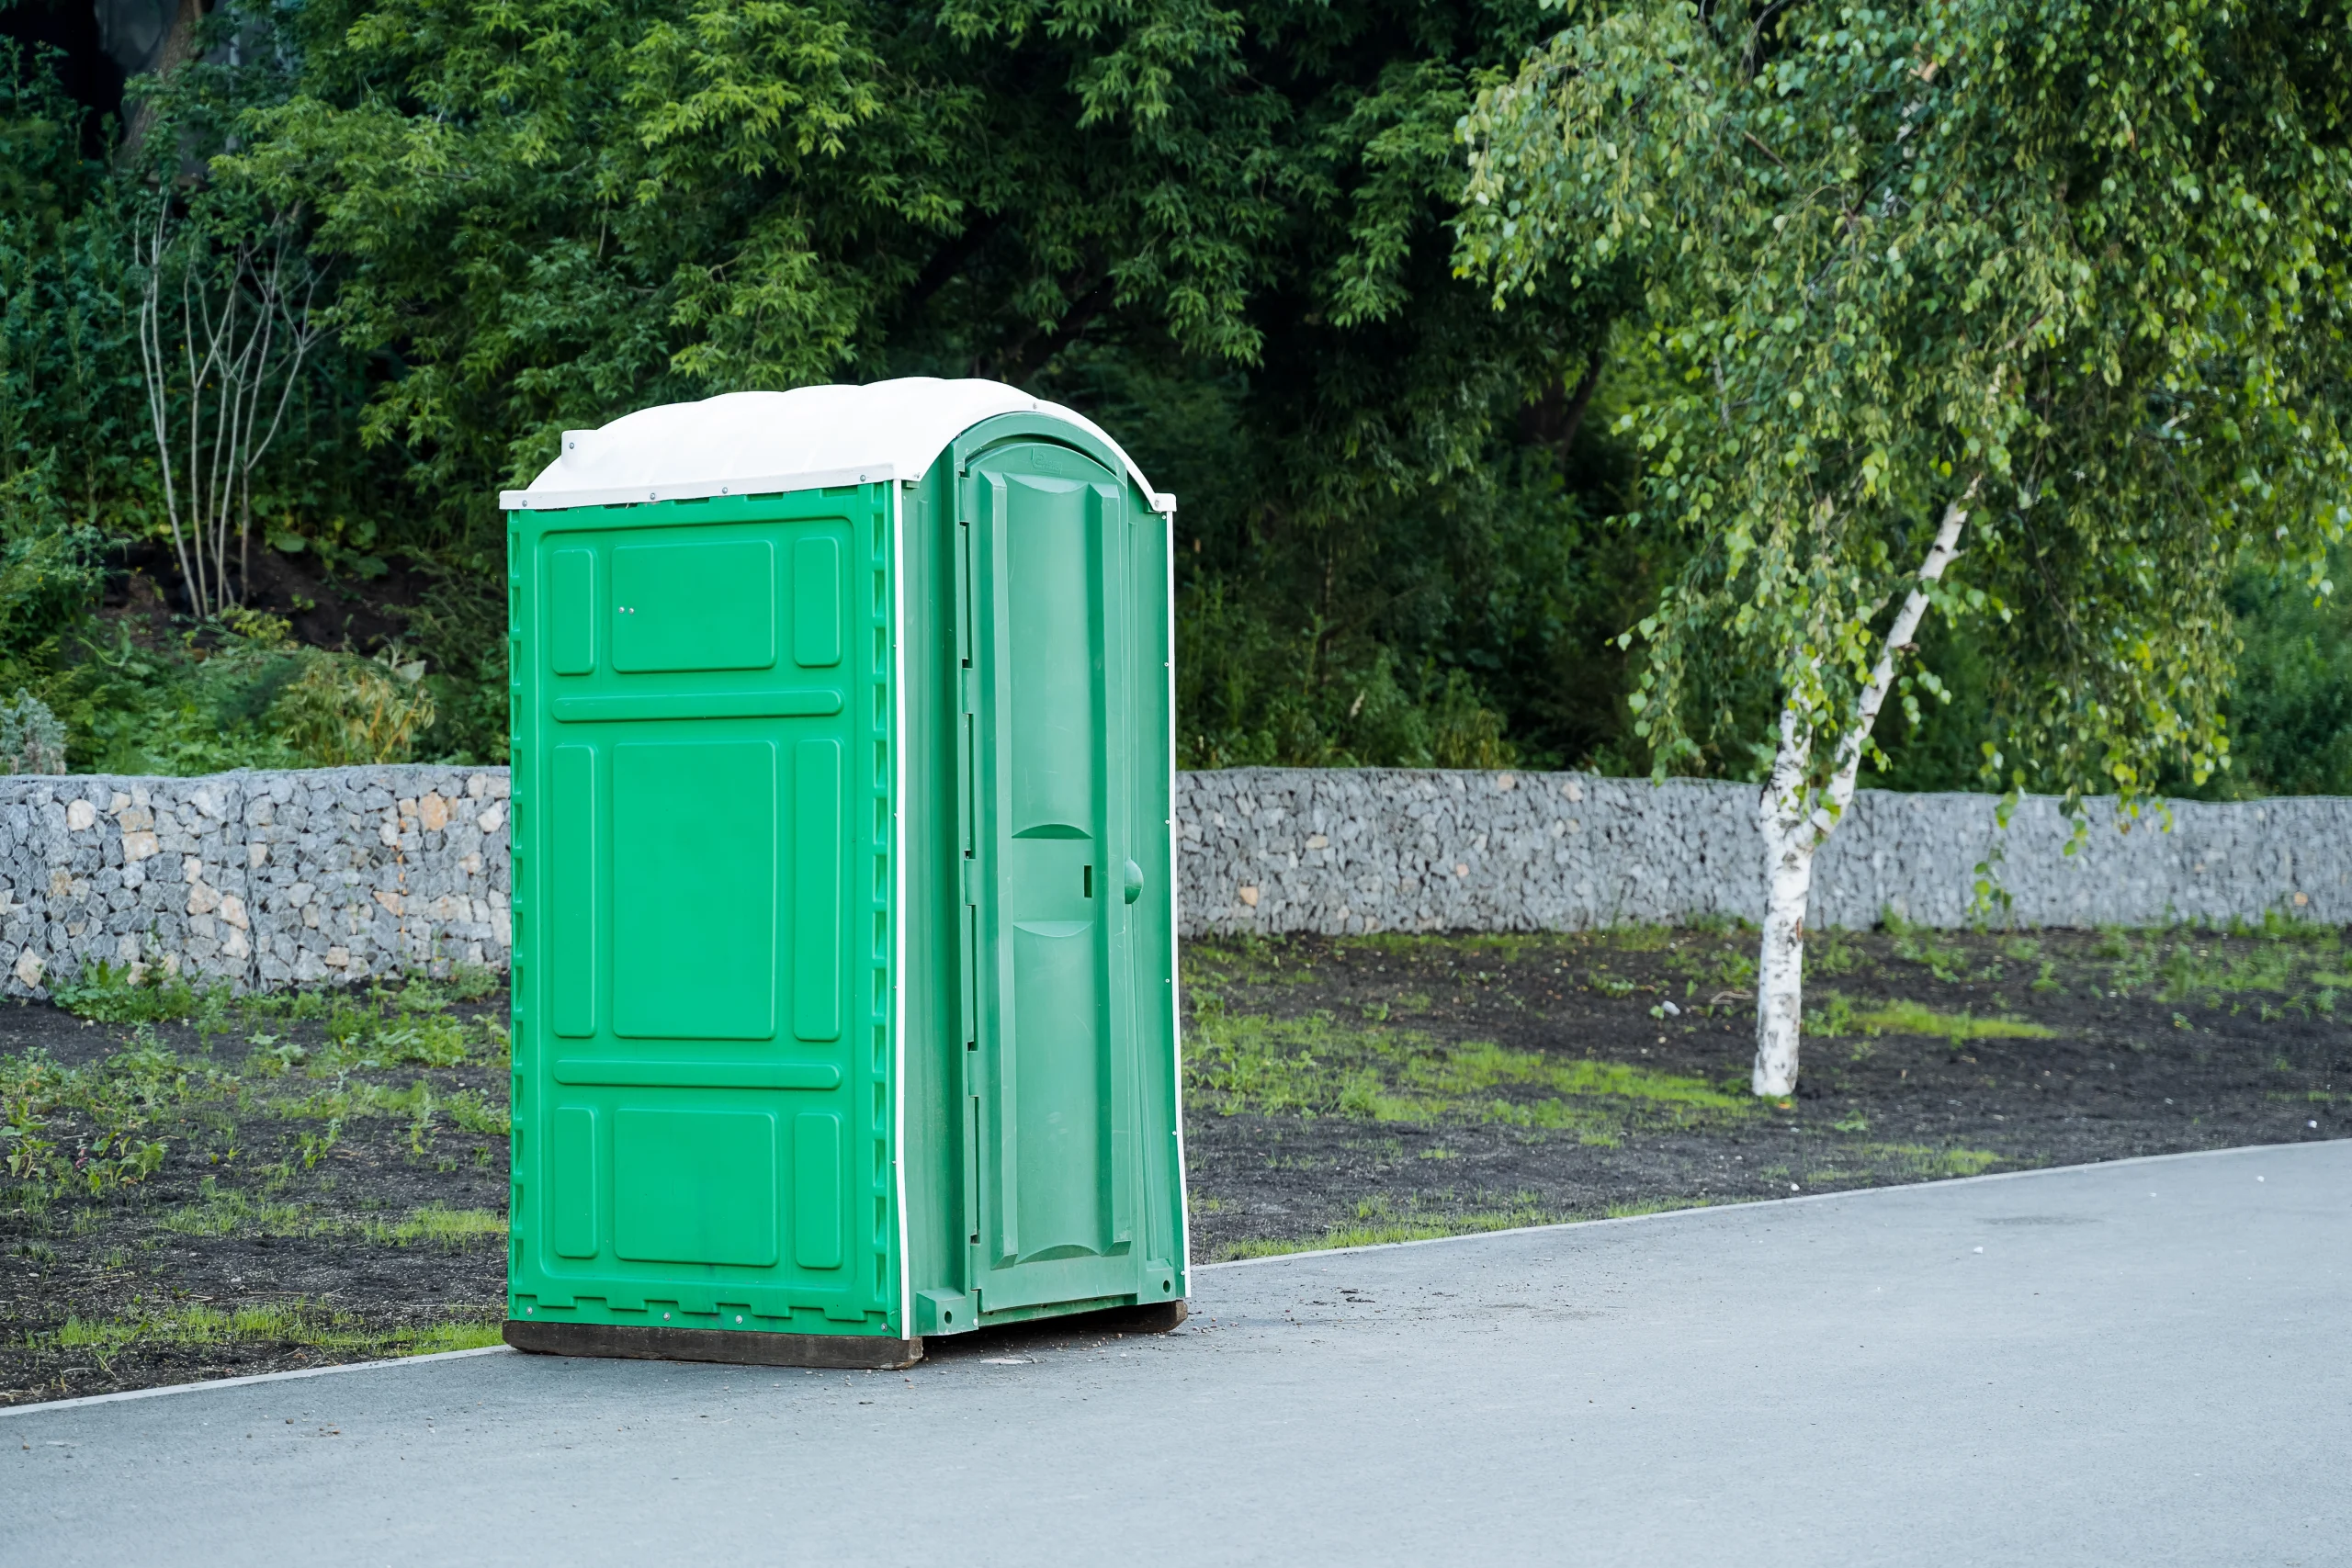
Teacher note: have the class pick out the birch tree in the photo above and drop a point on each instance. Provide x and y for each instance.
(2029, 314)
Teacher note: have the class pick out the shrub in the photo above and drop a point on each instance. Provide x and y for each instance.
(345, 710)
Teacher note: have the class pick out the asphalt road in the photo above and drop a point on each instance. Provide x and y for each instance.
(2128, 1364)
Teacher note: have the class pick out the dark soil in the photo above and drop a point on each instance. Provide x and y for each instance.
(236, 1221)
(2160, 1042)
(1339, 1092)
(143, 591)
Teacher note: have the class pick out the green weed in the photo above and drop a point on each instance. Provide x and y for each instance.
(1919, 1159)
(1377, 1224)
(132, 993)
(1920, 945)
(1832, 1017)
(472, 1113)
(434, 1225)
(228, 1211)
(86, 1129)
(1911, 1018)
(1838, 956)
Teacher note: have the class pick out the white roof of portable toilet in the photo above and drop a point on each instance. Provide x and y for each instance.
(750, 443)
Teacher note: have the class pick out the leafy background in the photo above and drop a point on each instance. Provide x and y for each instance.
(1223, 233)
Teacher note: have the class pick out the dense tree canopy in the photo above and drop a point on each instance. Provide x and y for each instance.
(1225, 227)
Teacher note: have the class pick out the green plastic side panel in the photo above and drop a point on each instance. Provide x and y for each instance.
(705, 831)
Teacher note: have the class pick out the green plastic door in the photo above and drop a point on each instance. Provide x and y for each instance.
(1050, 836)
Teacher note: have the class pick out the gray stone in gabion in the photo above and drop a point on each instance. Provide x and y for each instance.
(259, 879)
(1402, 850)
(280, 878)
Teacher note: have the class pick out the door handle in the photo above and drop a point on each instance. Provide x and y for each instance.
(1134, 882)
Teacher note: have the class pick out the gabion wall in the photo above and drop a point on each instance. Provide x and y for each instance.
(267, 879)
(261, 879)
(1282, 850)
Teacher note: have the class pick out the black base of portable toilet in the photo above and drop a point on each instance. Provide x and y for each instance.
(854, 1351)
(870, 1351)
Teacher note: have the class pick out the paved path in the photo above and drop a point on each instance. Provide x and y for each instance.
(2129, 1364)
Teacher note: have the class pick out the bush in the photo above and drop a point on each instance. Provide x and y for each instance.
(342, 710)
(31, 739)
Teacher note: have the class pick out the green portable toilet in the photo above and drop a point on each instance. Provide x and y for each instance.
(845, 978)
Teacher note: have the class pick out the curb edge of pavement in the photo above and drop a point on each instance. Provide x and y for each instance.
(1748, 1205)
(201, 1385)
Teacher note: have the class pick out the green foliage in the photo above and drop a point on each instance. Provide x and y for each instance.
(86, 1129)
(132, 993)
(31, 739)
(1225, 234)
(459, 631)
(436, 1224)
(2291, 704)
(1224, 237)
(1381, 1220)
(238, 694)
(342, 710)
(69, 379)
(2075, 271)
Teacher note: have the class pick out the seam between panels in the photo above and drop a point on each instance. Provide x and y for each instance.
(896, 566)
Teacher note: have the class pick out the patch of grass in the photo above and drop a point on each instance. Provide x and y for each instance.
(1912, 1159)
(474, 1114)
(86, 1129)
(348, 1099)
(444, 1337)
(294, 1324)
(1378, 1223)
(1315, 1066)
(433, 1225)
(2280, 927)
(1912, 1017)
(1640, 1206)
(219, 1211)
(1833, 1017)
(1508, 946)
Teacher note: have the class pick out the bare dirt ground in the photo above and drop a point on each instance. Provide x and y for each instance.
(1386, 1088)
(192, 1186)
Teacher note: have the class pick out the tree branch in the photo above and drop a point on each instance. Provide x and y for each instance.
(1840, 793)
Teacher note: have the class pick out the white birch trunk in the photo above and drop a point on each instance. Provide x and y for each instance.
(1796, 820)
